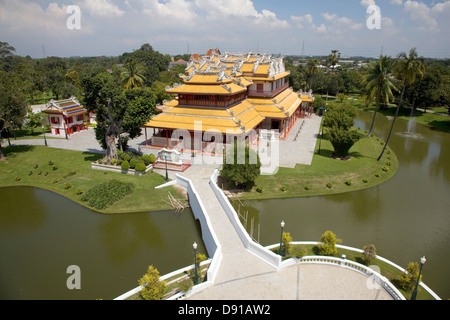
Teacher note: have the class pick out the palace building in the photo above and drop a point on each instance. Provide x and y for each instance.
(245, 95)
(66, 117)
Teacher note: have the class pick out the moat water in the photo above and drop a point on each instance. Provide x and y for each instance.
(42, 233)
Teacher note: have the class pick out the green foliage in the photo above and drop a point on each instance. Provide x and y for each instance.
(348, 183)
(243, 168)
(79, 191)
(369, 254)
(17, 178)
(153, 288)
(339, 122)
(259, 189)
(125, 165)
(152, 158)
(186, 285)
(329, 185)
(365, 180)
(68, 186)
(283, 188)
(286, 239)
(140, 167)
(55, 181)
(308, 187)
(133, 163)
(105, 194)
(297, 251)
(328, 246)
(408, 280)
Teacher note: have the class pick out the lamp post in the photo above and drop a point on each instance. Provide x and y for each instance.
(422, 262)
(195, 263)
(281, 238)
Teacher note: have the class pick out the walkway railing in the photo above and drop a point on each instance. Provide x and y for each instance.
(267, 255)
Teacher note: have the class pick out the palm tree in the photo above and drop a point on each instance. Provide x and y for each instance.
(132, 76)
(310, 71)
(334, 57)
(408, 68)
(379, 84)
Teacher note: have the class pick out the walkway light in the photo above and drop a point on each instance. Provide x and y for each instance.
(281, 239)
(422, 262)
(195, 263)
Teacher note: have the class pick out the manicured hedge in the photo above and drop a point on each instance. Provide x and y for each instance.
(105, 194)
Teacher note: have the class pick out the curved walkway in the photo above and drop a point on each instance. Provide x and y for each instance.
(244, 276)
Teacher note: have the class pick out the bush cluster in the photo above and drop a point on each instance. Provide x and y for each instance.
(105, 194)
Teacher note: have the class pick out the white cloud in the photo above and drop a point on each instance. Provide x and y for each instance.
(396, 2)
(421, 14)
(101, 8)
(366, 3)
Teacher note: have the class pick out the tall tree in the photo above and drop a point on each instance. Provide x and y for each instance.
(132, 75)
(408, 68)
(380, 84)
(333, 58)
(13, 104)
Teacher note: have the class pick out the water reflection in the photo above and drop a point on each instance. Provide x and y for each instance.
(33, 212)
(406, 217)
(46, 233)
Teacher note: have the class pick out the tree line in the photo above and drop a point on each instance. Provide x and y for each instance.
(122, 91)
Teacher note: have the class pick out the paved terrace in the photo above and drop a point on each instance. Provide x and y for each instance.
(242, 275)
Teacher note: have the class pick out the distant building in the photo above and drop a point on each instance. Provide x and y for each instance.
(66, 116)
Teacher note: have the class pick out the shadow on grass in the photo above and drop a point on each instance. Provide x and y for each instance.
(443, 125)
(11, 151)
(93, 157)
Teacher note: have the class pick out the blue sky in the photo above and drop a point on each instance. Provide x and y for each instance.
(289, 27)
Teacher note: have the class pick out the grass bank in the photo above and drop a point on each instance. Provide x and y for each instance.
(432, 119)
(326, 175)
(29, 166)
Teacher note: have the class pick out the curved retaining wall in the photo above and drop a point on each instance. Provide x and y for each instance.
(209, 239)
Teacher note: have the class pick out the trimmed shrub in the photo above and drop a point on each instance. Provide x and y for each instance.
(79, 191)
(17, 178)
(365, 180)
(308, 187)
(297, 251)
(329, 185)
(385, 169)
(259, 189)
(154, 289)
(125, 165)
(140, 167)
(133, 163)
(146, 159)
(348, 183)
(286, 239)
(56, 180)
(152, 158)
(369, 254)
(328, 246)
(68, 186)
(283, 188)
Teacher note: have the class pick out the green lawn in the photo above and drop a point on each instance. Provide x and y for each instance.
(361, 171)
(22, 161)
